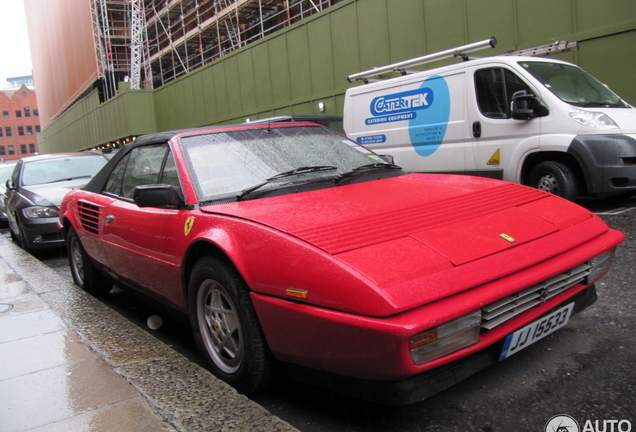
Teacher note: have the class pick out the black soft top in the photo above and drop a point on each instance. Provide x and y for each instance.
(98, 182)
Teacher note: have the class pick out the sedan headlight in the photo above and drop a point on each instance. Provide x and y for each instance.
(445, 339)
(593, 119)
(40, 212)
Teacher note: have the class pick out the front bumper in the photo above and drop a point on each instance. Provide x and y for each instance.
(608, 163)
(426, 384)
(41, 233)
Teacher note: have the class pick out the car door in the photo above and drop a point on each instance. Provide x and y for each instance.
(499, 141)
(144, 246)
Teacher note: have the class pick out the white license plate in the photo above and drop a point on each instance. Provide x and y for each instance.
(535, 331)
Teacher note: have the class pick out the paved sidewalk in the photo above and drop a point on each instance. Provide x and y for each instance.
(69, 363)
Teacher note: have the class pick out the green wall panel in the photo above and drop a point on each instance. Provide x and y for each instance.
(345, 42)
(263, 85)
(320, 56)
(405, 30)
(373, 33)
(246, 75)
(279, 66)
(299, 64)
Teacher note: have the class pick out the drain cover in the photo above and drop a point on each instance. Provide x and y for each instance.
(5, 307)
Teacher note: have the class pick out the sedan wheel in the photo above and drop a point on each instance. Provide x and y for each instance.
(226, 328)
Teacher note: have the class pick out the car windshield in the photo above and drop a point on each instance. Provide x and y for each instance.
(233, 162)
(5, 173)
(573, 85)
(61, 169)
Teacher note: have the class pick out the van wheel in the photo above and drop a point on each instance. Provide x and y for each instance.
(226, 328)
(555, 178)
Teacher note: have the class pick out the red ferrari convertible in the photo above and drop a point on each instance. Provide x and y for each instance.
(291, 244)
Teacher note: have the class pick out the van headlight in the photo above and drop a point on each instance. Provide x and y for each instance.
(445, 338)
(600, 264)
(593, 119)
(38, 212)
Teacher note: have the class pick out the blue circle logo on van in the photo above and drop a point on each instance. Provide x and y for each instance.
(428, 128)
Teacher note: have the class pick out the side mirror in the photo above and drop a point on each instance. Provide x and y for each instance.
(158, 195)
(10, 185)
(525, 106)
(388, 158)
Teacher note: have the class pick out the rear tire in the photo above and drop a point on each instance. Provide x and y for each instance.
(85, 275)
(555, 178)
(226, 328)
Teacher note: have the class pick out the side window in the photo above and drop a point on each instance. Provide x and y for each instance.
(144, 165)
(113, 185)
(494, 88)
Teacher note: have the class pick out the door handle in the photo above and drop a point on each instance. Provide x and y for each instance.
(477, 129)
(110, 218)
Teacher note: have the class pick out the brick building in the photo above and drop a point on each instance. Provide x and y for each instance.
(19, 123)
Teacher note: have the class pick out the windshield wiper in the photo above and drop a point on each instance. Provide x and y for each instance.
(302, 170)
(368, 167)
(68, 179)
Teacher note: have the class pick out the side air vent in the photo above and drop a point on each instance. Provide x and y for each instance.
(89, 216)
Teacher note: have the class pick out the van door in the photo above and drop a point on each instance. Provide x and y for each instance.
(419, 120)
(499, 142)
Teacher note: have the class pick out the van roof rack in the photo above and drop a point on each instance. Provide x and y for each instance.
(399, 67)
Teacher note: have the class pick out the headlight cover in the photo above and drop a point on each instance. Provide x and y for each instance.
(592, 119)
(600, 264)
(445, 338)
(38, 212)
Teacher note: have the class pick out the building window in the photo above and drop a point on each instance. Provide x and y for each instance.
(1, 132)
(11, 151)
(36, 113)
(21, 130)
(29, 130)
(24, 94)
(32, 148)
(37, 128)
(5, 114)
(23, 149)
(27, 112)
(2, 151)
(7, 131)
(18, 113)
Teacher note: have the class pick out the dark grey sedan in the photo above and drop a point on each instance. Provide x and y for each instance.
(35, 191)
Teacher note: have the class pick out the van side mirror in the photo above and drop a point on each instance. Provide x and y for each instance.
(158, 195)
(10, 185)
(525, 106)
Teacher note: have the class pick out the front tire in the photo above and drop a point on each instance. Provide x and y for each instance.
(85, 275)
(555, 178)
(226, 328)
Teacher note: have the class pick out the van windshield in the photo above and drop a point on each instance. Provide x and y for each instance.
(573, 85)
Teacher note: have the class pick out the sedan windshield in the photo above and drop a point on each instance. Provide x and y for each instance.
(61, 169)
(573, 85)
(240, 161)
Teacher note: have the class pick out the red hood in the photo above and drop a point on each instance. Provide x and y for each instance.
(440, 211)
(403, 231)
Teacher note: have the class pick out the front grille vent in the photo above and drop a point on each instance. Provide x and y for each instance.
(89, 215)
(509, 307)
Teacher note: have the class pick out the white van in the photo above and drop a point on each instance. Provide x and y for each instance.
(530, 120)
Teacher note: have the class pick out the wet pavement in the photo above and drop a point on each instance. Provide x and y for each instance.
(69, 363)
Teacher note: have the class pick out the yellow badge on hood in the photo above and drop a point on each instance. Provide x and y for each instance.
(188, 225)
(507, 238)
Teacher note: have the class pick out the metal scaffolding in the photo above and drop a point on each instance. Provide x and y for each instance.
(153, 42)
